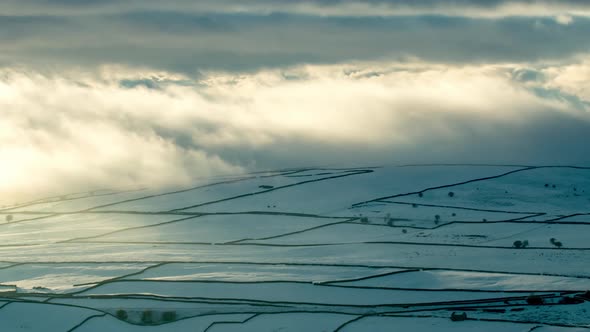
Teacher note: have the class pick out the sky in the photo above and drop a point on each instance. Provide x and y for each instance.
(124, 94)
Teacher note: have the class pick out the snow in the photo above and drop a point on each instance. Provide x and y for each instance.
(287, 322)
(472, 280)
(220, 228)
(65, 227)
(250, 272)
(41, 317)
(482, 234)
(337, 195)
(378, 324)
(241, 186)
(59, 278)
(290, 250)
(109, 323)
(420, 215)
(522, 191)
(285, 292)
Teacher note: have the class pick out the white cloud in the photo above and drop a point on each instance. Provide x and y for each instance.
(564, 19)
(572, 78)
(83, 130)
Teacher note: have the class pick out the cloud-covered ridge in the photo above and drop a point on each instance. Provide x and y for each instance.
(74, 130)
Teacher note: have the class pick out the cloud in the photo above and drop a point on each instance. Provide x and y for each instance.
(468, 8)
(123, 126)
(570, 78)
(192, 42)
(564, 19)
(190, 36)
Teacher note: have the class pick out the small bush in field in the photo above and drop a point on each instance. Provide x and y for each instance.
(122, 314)
(9, 218)
(147, 317)
(534, 300)
(169, 316)
(458, 317)
(556, 243)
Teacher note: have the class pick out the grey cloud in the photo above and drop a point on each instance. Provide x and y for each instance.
(191, 42)
(548, 139)
(231, 5)
(527, 75)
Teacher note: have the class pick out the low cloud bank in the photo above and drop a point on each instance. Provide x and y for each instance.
(121, 127)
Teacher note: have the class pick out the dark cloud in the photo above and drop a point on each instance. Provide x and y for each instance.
(190, 42)
(414, 3)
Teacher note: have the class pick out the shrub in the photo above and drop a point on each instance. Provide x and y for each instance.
(390, 222)
(147, 317)
(121, 314)
(525, 243)
(534, 300)
(456, 317)
(570, 300)
(9, 217)
(404, 231)
(517, 244)
(414, 205)
(451, 194)
(454, 214)
(364, 220)
(555, 242)
(169, 316)
(420, 195)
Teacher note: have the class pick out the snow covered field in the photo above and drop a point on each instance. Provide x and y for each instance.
(361, 249)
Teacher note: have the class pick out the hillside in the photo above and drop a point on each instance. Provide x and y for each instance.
(316, 249)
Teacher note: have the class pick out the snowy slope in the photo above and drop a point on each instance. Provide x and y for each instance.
(316, 249)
